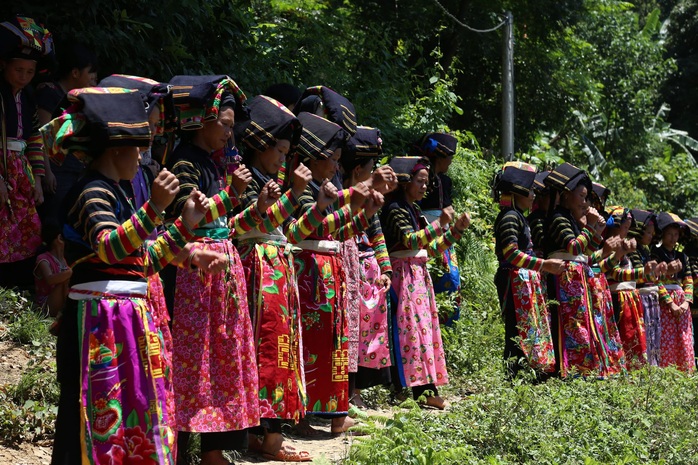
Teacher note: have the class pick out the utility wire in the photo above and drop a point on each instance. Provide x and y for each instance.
(462, 24)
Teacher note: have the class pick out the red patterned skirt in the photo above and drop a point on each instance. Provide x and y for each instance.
(631, 326)
(273, 297)
(325, 344)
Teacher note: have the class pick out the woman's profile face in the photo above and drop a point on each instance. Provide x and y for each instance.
(216, 134)
(19, 72)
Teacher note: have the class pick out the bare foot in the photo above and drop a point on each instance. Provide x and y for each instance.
(436, 402)
(357, 401)
(214, 457)
(341, 424)
(304, 430)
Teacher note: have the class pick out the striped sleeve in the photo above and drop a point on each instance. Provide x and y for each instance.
(35, 149)
(377, 241)
(563, 234)
(687, 284)
(188, 176)
(343, 198)
(246, 220)
(166, 247)
(359, 223)
(299, 229)
(443, 242)
(607, 264)
(399, 220)
(621, 274)
(279, 212)
(508, 230)
(664, 295)
(113, 241)
(335, 220)
(219, 205)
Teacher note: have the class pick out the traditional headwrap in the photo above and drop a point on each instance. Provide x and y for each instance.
(320, 137)
(22, 37)
(200, 98)
(641, 219)
(269, 121)
(98, 119)
(666, 219)
(335, 107)
(617, 215)
(567, 177)
(515, 178)
(365, 144)
(406, 167)
(154, 94)
(435, 144)
(539, 186)
(692, 224)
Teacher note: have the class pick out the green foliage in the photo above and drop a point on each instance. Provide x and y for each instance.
(647, 417)
(28, 408)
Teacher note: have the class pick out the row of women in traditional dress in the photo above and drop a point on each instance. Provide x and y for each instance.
(275, 279)
(587, 291)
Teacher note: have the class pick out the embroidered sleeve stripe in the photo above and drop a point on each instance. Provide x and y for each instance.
(246, 220)
(687, 285)
(35, 154)
(519, 258)
(664, 295)
(167, 246)
(302, 228)
(343, 197)
(114, 245)
(279, 211)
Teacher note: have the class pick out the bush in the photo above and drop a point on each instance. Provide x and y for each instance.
(646, 417)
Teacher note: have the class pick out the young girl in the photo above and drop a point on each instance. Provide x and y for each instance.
(643, 231)
(214, 381)
(440, 149)
(24, 46)
(419, 353)
(272, 288)
(677, 333)
(51, 273)
(109, 355)
(525, 312)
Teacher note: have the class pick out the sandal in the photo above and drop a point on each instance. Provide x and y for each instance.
(289, 455)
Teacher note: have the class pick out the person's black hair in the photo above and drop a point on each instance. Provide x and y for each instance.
(73, 54)
(49, 232)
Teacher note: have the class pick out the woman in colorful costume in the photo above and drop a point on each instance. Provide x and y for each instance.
(419, 357)
(524, 309)
(372, 277)
(268, 137)
(643, 231)
(321, 274)
(26, 47)
(622, 279)
(676, 338)
(440, 149)
(215, 384)
(579, 329)
(109, 353)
